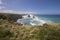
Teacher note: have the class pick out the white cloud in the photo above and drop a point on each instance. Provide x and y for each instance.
(1, 2)
(16, 12)
(1, 5)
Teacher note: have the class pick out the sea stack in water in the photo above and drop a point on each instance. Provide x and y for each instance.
(33, 16)
(28, 15)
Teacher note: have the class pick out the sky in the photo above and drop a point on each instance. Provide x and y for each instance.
(34, 6)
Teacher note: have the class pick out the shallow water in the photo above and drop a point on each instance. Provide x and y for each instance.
(30, 20)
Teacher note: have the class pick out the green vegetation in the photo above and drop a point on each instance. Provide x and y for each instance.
(10, 30)
(10, 17)
(3, 16)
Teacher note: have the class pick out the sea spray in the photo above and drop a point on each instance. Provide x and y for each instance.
(30, 20)
(37, 21)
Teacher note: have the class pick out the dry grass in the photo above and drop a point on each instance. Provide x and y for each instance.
(12, 31)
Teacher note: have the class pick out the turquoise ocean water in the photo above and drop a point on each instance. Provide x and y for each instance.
(39, 19)
(52, 18)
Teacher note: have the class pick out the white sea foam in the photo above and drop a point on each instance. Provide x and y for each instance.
(19, 21)
(37, 19)
(32, 20)
(25, 16)
(32, 24)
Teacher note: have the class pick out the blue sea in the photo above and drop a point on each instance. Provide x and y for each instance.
(39, 19)
(51, 18)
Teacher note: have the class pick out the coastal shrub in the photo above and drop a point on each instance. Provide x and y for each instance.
(18, 32)
(48, 32)
(4, 32)
(3, 16)
(14, 18)
(54, 35)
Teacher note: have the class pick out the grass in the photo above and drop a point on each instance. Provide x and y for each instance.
(10, 30)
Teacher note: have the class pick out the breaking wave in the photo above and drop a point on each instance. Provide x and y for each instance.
(31, 20)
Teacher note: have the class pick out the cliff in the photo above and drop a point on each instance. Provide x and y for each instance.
(11, 16)
(10, 30)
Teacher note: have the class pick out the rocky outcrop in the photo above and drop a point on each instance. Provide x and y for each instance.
(11, 16)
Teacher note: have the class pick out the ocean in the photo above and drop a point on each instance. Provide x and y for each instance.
(39, 19)
(51, 18)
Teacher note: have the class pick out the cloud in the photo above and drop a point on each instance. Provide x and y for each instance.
(1, 5)
(16, 12)
(1, 2)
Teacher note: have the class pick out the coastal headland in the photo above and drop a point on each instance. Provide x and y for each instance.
(9, 30)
